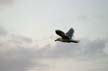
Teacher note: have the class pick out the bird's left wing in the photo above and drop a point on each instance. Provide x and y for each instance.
(62, 34)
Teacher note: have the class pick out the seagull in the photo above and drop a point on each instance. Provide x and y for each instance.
(66, 37)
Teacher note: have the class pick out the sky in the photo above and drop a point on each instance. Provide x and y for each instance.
(40, 18)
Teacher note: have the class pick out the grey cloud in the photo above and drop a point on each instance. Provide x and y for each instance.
(19, 53)
(16, 53)
(86, 47)
(6, 2)
(15, 60)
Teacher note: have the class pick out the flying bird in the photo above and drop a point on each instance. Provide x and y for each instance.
(66, 37)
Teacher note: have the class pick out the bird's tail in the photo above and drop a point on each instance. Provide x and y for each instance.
(74, 41)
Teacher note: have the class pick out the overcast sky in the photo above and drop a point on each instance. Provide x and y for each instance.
(40, 18)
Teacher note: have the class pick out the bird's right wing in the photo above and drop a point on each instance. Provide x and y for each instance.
(62, 34)
(70, 33)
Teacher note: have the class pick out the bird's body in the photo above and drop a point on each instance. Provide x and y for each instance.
(66, 40)
(66, 37)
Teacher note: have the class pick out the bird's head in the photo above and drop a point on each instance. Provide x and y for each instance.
(58, 39)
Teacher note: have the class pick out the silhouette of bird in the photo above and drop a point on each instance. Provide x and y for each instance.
(66, 37)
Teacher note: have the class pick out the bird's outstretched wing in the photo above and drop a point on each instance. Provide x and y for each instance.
(62, 34)
(70, 33)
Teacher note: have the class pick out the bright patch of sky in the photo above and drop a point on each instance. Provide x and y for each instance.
(40, 18)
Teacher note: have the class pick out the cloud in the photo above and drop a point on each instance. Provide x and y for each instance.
(84, 48)
(85, 56)
(18, 53)
(6, 2)
(16, 60)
